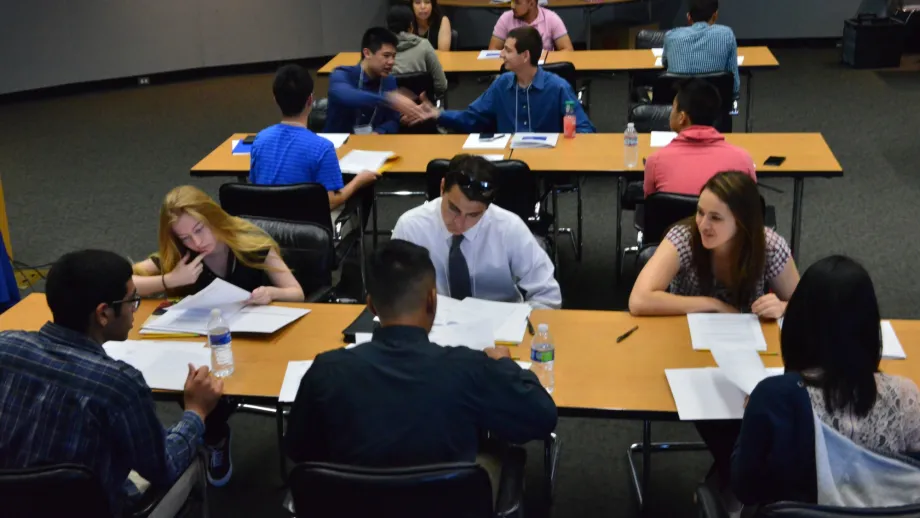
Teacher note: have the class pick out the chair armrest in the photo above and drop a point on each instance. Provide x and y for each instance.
(168, 501)
(708, 503)
(323, 294)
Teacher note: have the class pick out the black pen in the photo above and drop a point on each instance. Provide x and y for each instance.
(530, 326)
(625, 335)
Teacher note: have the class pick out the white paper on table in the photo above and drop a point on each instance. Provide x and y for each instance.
(727, 331)
(493, 158)
(509, 319)
(490, 54)
(534, 140)
(337, 139)
(742, 367)
(164, 364)
(473, 142)
(658, 52)
(662, 138)
(523, 365)
(475, 335)
(233, 144)
(707, 394)
(291, 384)
(361, 338)
(891, 345)
(359, 160)
(540, 62)
(740, 60)
(218, 293)
(659, 62)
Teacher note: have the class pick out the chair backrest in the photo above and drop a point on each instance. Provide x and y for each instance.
(663, 209)
(443, 490)
(306, 248)
(563, 69)
(454, 39)
(416, 82)
(650, 39)
(316, 121)
(797, 510)
(651, 117)
(51, 492)
(298, 202)
(518, 190)
(665, 89)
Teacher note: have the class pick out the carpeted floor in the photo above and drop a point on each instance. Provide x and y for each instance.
(90, 170)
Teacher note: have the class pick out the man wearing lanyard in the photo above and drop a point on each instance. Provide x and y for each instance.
(524, 99)
(363, 98)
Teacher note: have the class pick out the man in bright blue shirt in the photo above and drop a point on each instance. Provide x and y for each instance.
(704, 47)
(524, 99)
(363, 98)
(289, 153)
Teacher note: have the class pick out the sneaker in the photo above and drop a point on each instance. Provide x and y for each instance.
(220, 465)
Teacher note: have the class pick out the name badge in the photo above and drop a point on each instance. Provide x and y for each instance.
(364, 129)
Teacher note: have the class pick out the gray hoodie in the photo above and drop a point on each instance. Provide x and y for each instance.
(415, 54)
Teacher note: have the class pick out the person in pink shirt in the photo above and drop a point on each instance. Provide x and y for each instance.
(526, 12)
(699, 151)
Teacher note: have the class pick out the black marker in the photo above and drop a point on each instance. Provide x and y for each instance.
(530, 326)
(625, 335)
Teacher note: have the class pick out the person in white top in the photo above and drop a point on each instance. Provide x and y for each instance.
(479, 249)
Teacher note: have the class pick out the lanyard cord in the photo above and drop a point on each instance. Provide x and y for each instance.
(379, 92)
(527, 100)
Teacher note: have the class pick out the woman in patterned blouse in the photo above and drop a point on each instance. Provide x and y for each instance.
(721, 261)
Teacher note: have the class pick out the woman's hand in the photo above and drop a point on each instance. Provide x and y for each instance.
(723, 307)
(260, 296)
(186, 272)
(769, 306)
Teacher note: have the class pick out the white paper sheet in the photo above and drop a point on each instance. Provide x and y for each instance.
(218, 293)
(490, 54)
(658, 62)
(658, 52)
(358, 160)
(740, 60)
(291, 384)
(233, 144)
(493, 158)
(337, 139)
(707, 394)
(475, 335)
(164, 364)
(509, 319)
(662, 138)
(361, 338)
(742, 367)
(523, 365)
(534, 140)
(891, 345)
(473, 142)
(727, 331)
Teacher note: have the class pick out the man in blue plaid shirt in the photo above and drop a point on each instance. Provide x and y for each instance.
(704, 47)
(63, 400)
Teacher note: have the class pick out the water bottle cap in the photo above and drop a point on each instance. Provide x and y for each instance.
(542, 328)
(630, 125)
(215, 313)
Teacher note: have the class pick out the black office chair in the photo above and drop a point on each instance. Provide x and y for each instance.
(657, 213)
(454, 39)
(460, 490)
(308, 251)
(665, 89)
(710, 506)
(316, 121)
(640, 82)
(651, 117)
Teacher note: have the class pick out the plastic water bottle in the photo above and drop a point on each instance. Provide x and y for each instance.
(542, 354)
(631, 146)
(568, 121)
(220, 342)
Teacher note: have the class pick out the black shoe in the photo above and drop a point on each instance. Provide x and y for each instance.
(220, 466)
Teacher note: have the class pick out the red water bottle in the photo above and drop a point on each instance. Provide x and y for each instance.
(568, 121)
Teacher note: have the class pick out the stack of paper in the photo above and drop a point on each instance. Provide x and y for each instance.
(534, 140)
(163, 364)
(726, 331)
(662, 138)
(357, 161)
(192, 313)
(490, 54)
(707, 394)
(337, 139)
(499, 142)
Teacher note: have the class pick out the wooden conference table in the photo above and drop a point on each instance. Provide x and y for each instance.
(807, 156)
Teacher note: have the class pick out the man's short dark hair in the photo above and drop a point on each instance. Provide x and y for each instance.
(376, 37)
(292, 88)
(474, 175)
(703, 10)
(527, 38)
(79, 281)
(400, 18)
(400, 277)
(700, 100)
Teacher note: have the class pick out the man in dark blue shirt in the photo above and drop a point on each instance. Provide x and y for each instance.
(64, 400)
(363, 98)
(400, 400)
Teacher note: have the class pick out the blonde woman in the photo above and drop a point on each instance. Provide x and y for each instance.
(199, 242)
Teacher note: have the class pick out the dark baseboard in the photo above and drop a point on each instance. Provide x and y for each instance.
(793, 43)
(157, 79)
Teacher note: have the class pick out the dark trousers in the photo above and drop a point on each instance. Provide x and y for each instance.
(720, 437)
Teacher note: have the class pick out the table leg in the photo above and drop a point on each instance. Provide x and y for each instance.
(374, 217)
(282, 459)
(749, 111)
(619, 229)
(555, 230)
(646, 457)
(798, 188)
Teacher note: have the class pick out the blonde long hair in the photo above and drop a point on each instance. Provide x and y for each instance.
(246, 241)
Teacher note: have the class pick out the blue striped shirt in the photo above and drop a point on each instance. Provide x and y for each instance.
(63, 400)
(284, 154)
(702, 49)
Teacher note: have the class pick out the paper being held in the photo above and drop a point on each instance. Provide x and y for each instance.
(742, 367)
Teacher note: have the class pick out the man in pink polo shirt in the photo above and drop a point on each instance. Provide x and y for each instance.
(526, 12)
(699, 151)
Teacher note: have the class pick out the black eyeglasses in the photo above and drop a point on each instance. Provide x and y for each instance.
(135, 302)
(466, 182)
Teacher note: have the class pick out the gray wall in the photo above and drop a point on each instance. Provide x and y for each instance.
(53, 42)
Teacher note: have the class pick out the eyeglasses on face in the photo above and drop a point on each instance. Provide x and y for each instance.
(135, 302)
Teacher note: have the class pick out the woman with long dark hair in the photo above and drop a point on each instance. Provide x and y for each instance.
(431, 24)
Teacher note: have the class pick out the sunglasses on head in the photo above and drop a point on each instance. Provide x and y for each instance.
(480, 187)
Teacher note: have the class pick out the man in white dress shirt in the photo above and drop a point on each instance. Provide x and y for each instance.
(479, 249)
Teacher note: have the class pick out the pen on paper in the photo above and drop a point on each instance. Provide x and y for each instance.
(625, 335)
(765, 353)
